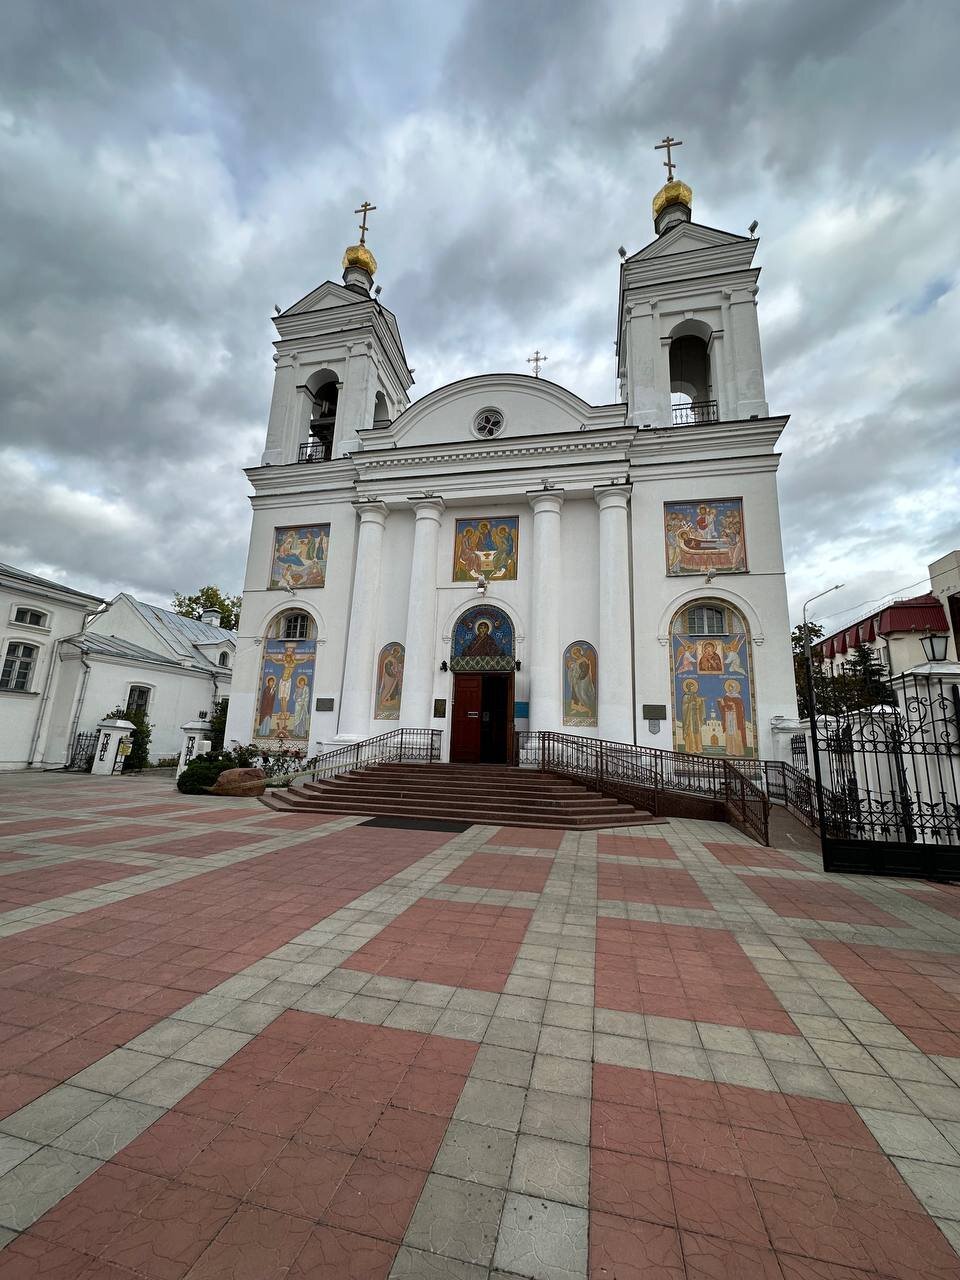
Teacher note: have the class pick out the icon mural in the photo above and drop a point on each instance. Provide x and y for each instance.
(580, 684)
(486, 548)
(286, 682)
(703, 535)
(300, 556)
(482, 640)
(389, 681)
(713, 712)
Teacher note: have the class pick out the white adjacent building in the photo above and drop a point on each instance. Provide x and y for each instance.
(501, 555)
(69, 659)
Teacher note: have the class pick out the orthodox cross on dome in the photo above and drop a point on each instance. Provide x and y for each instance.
(536, 360)
(365, 208)
(666, 145)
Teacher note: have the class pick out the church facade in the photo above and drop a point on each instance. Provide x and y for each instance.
(501, 555)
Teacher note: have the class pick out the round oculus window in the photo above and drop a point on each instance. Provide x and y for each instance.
(488, 423)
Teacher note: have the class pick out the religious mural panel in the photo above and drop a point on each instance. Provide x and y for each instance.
(286, 685)
(389, 681)
(704, 535)
(712, 687)
(487, 548)
(580, 684)
(482, 640)
(300, 556)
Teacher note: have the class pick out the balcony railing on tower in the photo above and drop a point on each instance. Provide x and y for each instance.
(315, 451)
(694, 412)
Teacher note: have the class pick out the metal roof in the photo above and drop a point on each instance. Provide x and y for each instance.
(183, 634)
(31, 579)
(114, 647)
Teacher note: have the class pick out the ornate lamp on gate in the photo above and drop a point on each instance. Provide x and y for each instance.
(935, 646)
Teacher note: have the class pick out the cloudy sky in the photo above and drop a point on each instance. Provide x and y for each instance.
(170, 171)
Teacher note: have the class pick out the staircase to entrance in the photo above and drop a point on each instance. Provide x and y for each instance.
(470, 793)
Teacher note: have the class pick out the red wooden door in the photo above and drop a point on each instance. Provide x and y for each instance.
(467, 705)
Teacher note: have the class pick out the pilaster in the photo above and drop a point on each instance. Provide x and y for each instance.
(357, 694)
(416, 706)
(615, 631)
(544, 648)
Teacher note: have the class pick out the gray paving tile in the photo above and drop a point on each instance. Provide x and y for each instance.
(510, 1033)
(740, 1068)
(873, 1091)
(476, 1153)
(553, 1170)
(415, 1264)
(167, 1083)
(108, 1129)
(557, 1013)
(561, 1116)
(164, 1038)
(542, 1239)
(456, 1219)
(13, 1150)
(488, 1103)
(115, 1071)
(564, 1042)
(506, 1066)
(53, 1113)
(621, 1051)
(940, 1102)
(461, 1024)
(561, 1075)
(911, 1136)
(38, 1183)
(936, 1186)
(413, 1017)
(679, 1060)
(212, 1047)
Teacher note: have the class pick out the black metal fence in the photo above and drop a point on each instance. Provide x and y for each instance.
(888, 776)
(696, 411)
(81, 758)
(652, 779)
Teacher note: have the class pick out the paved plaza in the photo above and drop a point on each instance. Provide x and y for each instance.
(242, 1045)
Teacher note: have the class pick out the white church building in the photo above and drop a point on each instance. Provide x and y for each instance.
(501, 555)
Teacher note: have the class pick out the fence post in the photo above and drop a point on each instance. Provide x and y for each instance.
(600, 764)
(543, 753)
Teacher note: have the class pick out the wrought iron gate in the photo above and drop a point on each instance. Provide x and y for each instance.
(888, 778)
(81, 758)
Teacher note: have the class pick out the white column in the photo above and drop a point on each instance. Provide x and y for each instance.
(751, 399)
(543, 653)
(614, 633)
(355, 701)
(416, 705)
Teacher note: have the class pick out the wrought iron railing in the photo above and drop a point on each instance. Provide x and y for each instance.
(315, 451)
(793, 789)
(695, 411)
(416, 745)
(648, 778)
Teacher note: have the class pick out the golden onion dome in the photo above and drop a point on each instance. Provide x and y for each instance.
(673, 192)
(358, 255)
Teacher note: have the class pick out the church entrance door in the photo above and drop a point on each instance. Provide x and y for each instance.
(482, 718)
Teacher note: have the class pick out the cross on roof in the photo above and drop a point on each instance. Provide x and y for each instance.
(665, 145)
(536, 360)
(365, 208)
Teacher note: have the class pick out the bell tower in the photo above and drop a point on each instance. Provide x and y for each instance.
(688, 342)
(341, 371)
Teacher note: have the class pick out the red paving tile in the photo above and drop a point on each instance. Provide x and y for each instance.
(117, 833)
(635, 847)
(25, 888)
(741, 855)
(754, 1190)
(914, 989)
(26, 826)
(527, 837)
(623, 882)
(199, 846)
(819, 900)
(680, 971)
(101, 977)
(515, 872)
(943, 897)
(462, 945)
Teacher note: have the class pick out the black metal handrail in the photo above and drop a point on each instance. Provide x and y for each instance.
(695, 411)
(422, 745)
(315, 451)
(641, 775)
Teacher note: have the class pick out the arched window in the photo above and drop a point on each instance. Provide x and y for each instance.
(18, 664)
(296, 626)
(30, 617)
(224, 658)
(381, 414)
(714, 707)
(323, 419)
(705, 620)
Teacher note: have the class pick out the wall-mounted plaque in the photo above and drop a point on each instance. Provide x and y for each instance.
(654, 711)
(439, 708)
(325, 704)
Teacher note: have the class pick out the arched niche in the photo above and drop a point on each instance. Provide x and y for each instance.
(389, 681)
(483, 640)
(711, 680)
(287, 669)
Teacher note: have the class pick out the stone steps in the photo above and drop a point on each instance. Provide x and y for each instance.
(483, 793)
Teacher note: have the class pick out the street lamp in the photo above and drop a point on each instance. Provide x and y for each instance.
(934, 647)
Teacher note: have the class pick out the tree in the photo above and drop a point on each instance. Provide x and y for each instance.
(218, 724)
(209, 597)
(800, 637)
(140, 735)
(865, 680)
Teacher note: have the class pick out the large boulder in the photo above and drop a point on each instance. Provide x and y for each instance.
(239, 782)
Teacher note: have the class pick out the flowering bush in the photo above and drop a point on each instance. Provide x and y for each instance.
(278, 763)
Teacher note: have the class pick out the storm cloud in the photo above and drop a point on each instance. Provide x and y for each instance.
(169, 172)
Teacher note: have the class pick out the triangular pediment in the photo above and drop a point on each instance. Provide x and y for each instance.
(323, 298)
(688, 237)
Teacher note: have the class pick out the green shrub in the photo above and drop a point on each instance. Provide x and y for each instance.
(203, 771)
